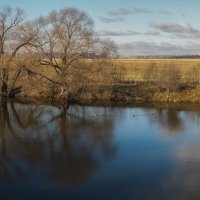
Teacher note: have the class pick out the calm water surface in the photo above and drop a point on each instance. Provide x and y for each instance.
(99, 153)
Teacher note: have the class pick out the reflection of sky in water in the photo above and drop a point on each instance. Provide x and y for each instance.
(99, 153)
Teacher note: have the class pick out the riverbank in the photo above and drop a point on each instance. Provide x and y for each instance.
(146, 93)
(105, 103)
(127, 94)
(134, 80)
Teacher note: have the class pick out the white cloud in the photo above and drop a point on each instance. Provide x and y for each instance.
(153, 48)
(174, 28)
(111, 20)
(129, 11)
(117, 33)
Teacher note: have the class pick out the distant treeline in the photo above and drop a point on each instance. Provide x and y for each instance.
(164, 57)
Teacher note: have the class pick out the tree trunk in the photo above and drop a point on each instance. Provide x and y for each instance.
(4, 87)
(63, 104)
(15, 90)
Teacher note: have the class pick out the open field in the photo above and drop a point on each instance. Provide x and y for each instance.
(142, 69)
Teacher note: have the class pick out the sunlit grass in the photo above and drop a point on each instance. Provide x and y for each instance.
(134, 69)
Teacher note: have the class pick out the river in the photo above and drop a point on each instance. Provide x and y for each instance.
(99, 152)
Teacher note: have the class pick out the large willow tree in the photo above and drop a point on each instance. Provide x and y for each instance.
(66, 42)
(63, 43)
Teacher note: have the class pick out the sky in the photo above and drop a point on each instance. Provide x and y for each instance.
(139, 27)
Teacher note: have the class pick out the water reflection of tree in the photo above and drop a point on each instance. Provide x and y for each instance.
(168, 120)
(37, 139)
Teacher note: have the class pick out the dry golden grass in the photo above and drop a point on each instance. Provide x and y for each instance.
(135, 69)
(128, 70)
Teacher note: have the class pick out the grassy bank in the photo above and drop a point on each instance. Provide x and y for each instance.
(155, 80)
(145, 80)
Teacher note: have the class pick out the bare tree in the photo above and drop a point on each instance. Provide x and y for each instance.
(66, 44)
(14, 36)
